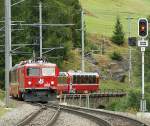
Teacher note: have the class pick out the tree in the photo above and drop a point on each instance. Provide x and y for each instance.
(53, 12)
(118, 36)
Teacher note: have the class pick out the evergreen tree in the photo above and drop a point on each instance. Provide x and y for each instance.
(118, 36)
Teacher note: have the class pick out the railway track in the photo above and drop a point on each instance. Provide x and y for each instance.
(91, 117)
(47, 115)
(112, 118)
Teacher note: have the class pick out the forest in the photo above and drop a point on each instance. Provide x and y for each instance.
(62, 39)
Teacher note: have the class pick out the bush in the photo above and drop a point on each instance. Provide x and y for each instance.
(118, 105)
(134, 97)
(116, 56)
(91, 46)
(130, 103)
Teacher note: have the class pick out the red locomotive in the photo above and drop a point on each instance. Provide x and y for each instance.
(78, 82)
(34, 80)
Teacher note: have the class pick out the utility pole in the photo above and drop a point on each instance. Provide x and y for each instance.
(82, 29)
(40, 27)
(130, 52)
(8, 57)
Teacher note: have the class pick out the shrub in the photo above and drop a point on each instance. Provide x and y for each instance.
(116, 56)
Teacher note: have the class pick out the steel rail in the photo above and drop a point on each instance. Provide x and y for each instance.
(134, 122)
(91, 117)
(27, 120)
(86, 115)
(30, 117)
(53, 118)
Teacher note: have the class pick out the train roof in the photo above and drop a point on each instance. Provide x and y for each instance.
(40, 64)
(45, 64)
(84, 73)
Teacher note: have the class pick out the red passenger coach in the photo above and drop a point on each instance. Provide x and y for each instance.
(78, 82)
(34, 80)
(84, 82)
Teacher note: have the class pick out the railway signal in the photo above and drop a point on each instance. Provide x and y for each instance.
(143, 27)
(142, 43)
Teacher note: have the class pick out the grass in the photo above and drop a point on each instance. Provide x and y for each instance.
(101, 14)
(114, 85)
(2, 94)
(2, 111)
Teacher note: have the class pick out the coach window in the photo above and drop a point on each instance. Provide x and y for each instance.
(90, 79)
(86, 79)
(94, 79)
(83, 79)
(33, 71)
(74, 79)
(78, 79)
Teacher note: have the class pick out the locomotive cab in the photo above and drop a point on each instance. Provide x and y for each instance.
(37, 81)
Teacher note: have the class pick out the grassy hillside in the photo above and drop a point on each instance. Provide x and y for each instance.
(101, 14)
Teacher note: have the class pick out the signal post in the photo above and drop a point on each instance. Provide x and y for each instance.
(143, 43)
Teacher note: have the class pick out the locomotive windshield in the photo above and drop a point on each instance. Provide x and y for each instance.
(33, 71)
(48, 71)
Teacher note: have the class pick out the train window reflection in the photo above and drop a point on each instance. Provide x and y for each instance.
(33, 71)
(48, 71)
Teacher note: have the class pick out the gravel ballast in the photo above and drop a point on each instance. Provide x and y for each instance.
(17, 114)
(68, 119)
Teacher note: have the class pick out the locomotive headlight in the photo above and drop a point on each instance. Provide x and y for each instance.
(29, 82)
(52, 82)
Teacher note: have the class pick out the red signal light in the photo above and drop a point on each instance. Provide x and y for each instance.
(143, 27)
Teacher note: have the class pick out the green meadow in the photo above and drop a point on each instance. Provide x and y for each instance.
(101, 14)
